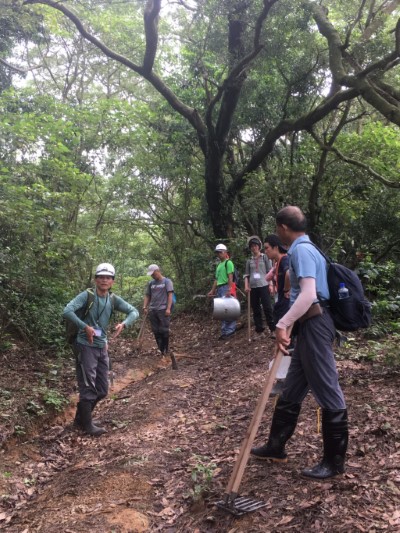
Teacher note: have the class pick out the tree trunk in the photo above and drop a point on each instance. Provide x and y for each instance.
(219, 205)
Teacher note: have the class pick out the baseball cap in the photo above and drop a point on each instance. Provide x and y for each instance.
(221, 248)
(105, 269)
(152, 269)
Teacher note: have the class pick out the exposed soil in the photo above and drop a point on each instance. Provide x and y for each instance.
(172, 441)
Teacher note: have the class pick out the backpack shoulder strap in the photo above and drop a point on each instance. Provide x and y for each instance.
(326, 257)
(167, 279)
(112, 300)
(266, 262)
(89, 301)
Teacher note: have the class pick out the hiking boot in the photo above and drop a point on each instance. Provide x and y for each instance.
(85, 416)
(335, 435)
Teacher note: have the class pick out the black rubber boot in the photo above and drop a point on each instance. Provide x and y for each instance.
(95, 421)
(164, 344)
(77, 420)
(284, 423)
(335, 435)
(159, 340)
(85, 414)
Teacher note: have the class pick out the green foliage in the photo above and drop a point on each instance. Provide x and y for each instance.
(202, 474)
(382, 282)
(19, 430)
(95, 165)
(34, 409)
(54, 399)
(18, 26)
(384, 351)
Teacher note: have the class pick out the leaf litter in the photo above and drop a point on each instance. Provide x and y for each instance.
(172, 440)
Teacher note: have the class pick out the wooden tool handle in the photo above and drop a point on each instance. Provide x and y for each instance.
(243, 457)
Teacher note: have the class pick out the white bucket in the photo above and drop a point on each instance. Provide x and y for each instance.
(226, 309)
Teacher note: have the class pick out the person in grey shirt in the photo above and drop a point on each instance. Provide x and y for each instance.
(255, 283)
(91, 344)
(158, 303)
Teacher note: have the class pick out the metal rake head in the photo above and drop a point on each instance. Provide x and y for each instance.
(240, 506)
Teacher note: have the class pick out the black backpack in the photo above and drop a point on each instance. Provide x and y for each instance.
(71, 329)
(354, 312)
(236, 276)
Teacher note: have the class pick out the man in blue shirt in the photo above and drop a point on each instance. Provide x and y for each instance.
(91, 345)
(313, 365)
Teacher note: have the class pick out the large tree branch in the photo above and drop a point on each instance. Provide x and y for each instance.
(151, 14)
(231, 88)
(359, 81)
(356, 163)
(336, 49)
(376, 99)
(391, 91)
(377, 21)
(335, 44)
(185, 111)
(14, 68)
(87, 35)
(304, 122)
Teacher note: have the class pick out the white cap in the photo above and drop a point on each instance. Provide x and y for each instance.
(105, 269)
(152, 269)
(221, 248)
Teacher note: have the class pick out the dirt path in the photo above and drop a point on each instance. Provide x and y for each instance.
(171, 445)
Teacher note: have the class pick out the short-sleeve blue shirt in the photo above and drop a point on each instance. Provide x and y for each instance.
(307, 262)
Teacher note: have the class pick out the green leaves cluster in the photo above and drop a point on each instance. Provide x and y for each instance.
(97, 164)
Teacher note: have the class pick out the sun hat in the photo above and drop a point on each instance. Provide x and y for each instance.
(254, 239)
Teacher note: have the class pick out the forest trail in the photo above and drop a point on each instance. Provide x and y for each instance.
(172, 441)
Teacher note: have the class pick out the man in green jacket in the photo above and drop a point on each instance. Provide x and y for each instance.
(92, 365)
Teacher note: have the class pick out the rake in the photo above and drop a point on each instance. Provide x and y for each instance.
(232, 503)
(248, 316)
(139, 339)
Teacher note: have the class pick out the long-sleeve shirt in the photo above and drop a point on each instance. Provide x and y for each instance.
(98, 316)
(256, 270)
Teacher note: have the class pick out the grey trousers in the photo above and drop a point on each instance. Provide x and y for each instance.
(159, 322)
(92, 365)
(313, 365)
